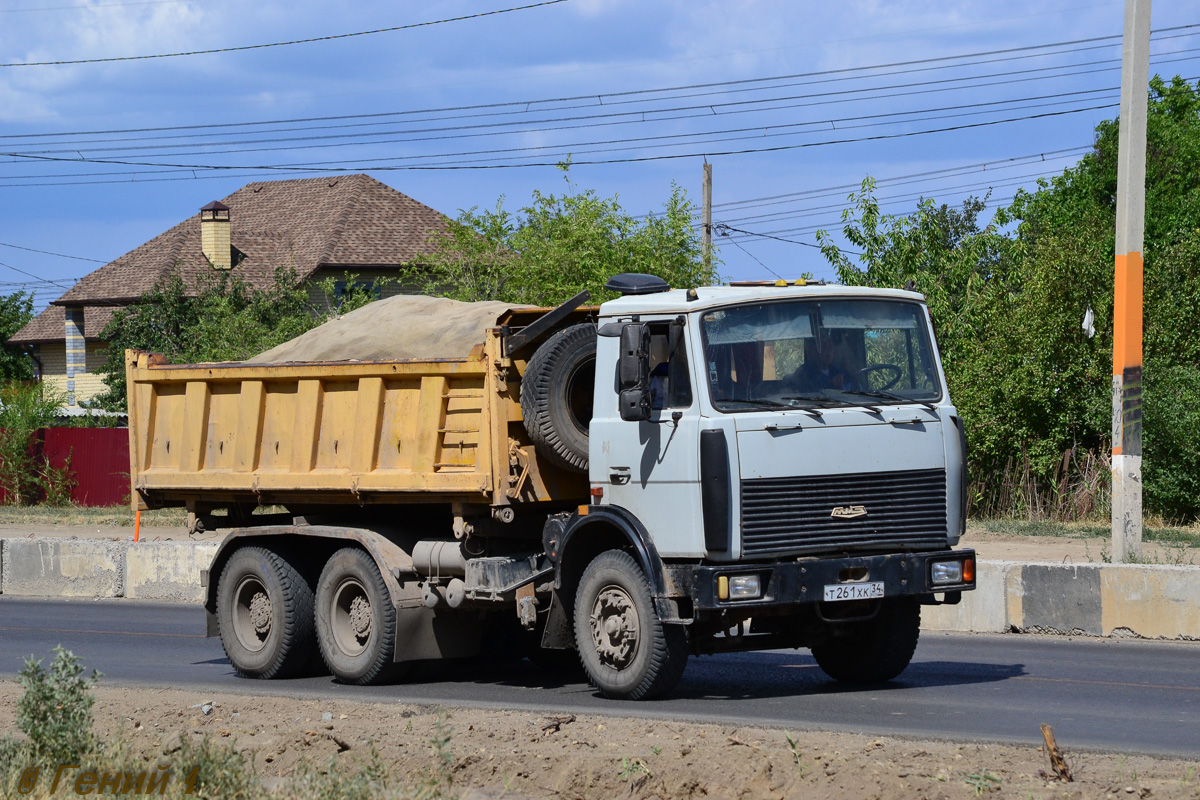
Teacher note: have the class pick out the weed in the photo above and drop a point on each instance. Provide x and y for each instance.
(794, 746)
(982, 781)
(656, 750)
(439, 780)
(210, 770)
(1121, 770)
(1187, 776)
(633, 766)
(55, 710)
(333, 784)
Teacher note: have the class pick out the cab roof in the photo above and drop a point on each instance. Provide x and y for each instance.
(676, 301)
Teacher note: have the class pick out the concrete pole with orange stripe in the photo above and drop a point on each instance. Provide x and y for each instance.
(1127, 297)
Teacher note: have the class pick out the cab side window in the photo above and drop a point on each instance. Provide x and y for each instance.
(670, 381)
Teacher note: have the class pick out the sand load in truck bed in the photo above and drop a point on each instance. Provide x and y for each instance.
(400, 327)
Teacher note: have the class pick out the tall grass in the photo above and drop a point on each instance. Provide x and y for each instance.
(1077, 489)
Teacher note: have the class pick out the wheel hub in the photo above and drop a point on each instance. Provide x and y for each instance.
(614, 624)
(360, 617)
(260, 613)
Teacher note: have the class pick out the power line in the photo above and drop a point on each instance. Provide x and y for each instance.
(599, 99)
(627, 117)
(48, 253)
(834, 221)
(965, 187)
(747, 252)
(759, 131)
(1006, 163)
(30, 274)
(455, 166)
(723, 136)
(725, 230)
(329, 38)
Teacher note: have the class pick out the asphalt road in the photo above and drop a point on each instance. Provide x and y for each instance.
(1111, 695)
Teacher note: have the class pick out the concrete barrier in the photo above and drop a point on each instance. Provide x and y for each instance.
(62, 568)
(167, 570)
(1151, 601)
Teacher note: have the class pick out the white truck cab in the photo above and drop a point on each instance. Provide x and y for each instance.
(788, 470)
(826, 397)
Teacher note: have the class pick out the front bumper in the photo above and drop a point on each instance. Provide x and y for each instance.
(801, 582)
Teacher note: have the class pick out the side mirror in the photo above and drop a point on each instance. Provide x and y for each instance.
(635, 405)
(633, 364)
(633, 372)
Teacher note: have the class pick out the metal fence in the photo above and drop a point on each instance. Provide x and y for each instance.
(97, 460)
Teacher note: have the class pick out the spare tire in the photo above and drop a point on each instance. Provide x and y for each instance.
(556, 396)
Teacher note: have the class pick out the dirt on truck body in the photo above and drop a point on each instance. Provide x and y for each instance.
(628, 482)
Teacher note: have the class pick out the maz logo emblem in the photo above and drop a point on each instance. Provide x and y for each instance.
(848, 512)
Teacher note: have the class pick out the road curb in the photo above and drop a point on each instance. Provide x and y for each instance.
(1119, 600)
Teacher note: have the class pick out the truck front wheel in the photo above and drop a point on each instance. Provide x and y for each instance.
(876, 650)
(356, 622)
(627, 652)
(265, 614)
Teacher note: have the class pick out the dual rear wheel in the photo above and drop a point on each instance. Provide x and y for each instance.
(273, 620)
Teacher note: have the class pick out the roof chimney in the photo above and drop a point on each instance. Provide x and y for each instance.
(214, 235)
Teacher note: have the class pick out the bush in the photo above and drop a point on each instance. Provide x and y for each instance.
(25, 474)
(55, 711)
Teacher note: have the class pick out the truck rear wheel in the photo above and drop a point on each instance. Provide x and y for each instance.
(626, 650)
(265, 614)
(556, 396)
(356, 622)
(876, 650)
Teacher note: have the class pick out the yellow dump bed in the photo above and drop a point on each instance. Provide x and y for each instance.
(436, 430)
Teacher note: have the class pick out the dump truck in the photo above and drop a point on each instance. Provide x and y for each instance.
(675, 472)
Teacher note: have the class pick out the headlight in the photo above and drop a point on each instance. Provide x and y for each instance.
(946, 572)
(744, 587)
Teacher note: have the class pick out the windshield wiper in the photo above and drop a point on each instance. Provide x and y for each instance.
(757, 403)
(827, 402)
(884, 394)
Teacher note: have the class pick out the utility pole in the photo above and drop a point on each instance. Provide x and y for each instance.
(706, 217)
(1127, 287)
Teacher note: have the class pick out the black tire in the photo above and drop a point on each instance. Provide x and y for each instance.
(356, 621)
(556, 396)
(874, 651)
(265, 614)
(614, 592)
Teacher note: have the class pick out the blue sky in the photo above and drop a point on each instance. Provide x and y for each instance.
(823, 93)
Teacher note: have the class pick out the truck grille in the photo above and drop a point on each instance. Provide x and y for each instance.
(904, 511)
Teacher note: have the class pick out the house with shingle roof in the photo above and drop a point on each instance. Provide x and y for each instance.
(319, 227)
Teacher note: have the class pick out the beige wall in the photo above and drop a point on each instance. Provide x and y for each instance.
(53, 356)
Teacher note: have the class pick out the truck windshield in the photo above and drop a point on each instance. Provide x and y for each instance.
(818, 354)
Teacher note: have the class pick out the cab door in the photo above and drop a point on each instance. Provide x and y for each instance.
(651, 467)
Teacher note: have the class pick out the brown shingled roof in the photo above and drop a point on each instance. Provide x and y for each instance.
(50, 325)
(351, 221)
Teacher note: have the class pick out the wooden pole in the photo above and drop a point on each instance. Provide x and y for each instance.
(1127, 287)
(706, 213)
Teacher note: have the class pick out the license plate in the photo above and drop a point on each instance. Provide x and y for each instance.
(853, 591)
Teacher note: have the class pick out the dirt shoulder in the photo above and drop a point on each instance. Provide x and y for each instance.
(520, 754)
(1075, 543)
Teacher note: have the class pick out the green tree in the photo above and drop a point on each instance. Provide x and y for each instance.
(16, 310)
(557, 246)
(1009, 300)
